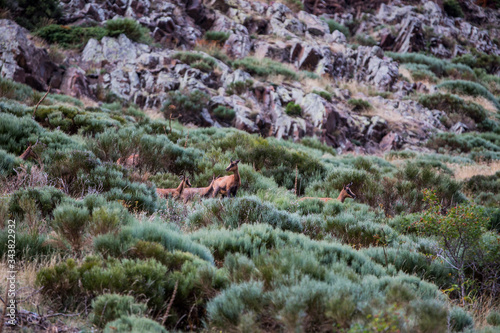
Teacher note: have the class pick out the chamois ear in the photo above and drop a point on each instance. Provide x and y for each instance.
(231, 160)
(343, 186)
(348, 185)
(237, 161)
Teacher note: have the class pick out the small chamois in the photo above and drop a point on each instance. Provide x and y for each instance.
(174, 192)
(29, 152)
(203, 192)
(228, 185)
(345, 193)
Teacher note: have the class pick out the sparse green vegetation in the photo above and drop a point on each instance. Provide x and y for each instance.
(264, 67)
(469, 88)
(224, 113)
(359, 104)
(326, 95)
(217, 36)
(32, 14)
(77, 37)
(452, 8)
(334, 25)
(293, 109)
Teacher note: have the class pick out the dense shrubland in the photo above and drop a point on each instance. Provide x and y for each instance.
(106, 245)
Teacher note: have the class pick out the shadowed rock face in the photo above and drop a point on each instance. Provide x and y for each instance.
(22, 61)
(297, 41)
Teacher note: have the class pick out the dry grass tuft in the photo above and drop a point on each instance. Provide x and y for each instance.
(467, 171)
(485, 103)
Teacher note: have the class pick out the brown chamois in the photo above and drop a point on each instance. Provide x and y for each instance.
(174, 192)
(345, 193)
(228, 185)
(29, 152)
(131, 161)
(202, 192)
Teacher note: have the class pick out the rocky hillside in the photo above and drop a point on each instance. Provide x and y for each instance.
(355, 76)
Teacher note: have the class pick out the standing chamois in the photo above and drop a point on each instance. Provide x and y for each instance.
(29, 152)
(203, 192)
(228, 185)
(345, 193)
(174, 192)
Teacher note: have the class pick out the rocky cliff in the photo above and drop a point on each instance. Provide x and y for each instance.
(273, 55)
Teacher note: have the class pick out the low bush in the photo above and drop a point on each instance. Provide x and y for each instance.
(70, 37)
(243, 210)
(264, 67)
(217, 36)
(493, 318)
(46, 198)
(239, 87)
(365, 40)
(334, 25)
(186, 105)
(109, 307)
(359, 104)
(32, 14)
(324, 94)
(131, 28)
(452, 8)
(196, 60)
(224, 113)
(133, 324)
(70, 224)
(452, 104)
(293, 109)
(469, 88)
(28, 246)
(440, 67)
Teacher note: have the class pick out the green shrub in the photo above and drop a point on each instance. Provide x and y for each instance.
(28, 246)
(440, 67)
(239, 87)
(186, 105)
(452, 8)
(70, 224)
(293, 109)
(217, 36)
(32, 14)
(243, 210)
(359, 104)
(334, 25)
(70, 37)
(264, 67)
(109, 307)
(316, 144)
(224, 113)
(46, 198)
(196, 59)
(493, 318)
(365, 40)
(478, 60)
(324, 94)
(8, 163)
(431, 316)
(17, 91)
(452, 104)
(171, 240)
(460, 320)
(131, 28)
(132, 324)
(469, 88)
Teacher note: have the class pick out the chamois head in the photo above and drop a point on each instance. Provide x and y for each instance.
(186, 181)
(233, 166)
(348, 192)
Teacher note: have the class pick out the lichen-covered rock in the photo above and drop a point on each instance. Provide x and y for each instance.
(22, 61)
